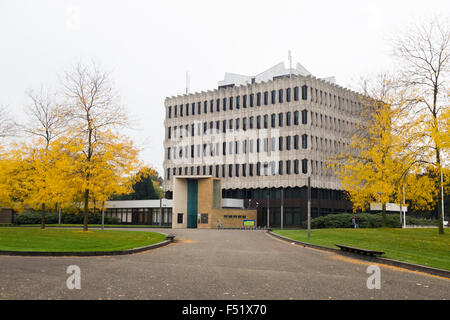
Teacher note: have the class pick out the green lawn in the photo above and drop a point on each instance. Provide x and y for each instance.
(97, 225)
(71, 240)
(420, 246)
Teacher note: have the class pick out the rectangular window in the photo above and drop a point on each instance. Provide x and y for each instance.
(230, 124)
(280, 96)
(288, 143)
(244, 124)
(280, 119)
(258, 99)
(244, 101)
(250, 169)
(296, 118)
(238, 121)
(272, 120)
(288, 118)
(230, 170)
(266, 121)
(199, 108)
(224, 126)
(252, 98)
(218, 105)
(305, 92)
(170, 112)
(296, 94)
(216, 193)
(179, 218)
(288, 166)
(266, 98)
(236, 173)
(258, 122)
(175, 111)
(211, 106)
(205, 107)
(296, 142)
(231, 103)
(304, 141)
(280, 167)
(181, 110)
(280, 143)
(251, 122)
(238, 102)
(224, 104)
(305, 166)
(304, 116)
(288, 95)
(204, 218)
(273, 93)
(296, 166)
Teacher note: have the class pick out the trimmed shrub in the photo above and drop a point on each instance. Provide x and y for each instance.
(34, 217)
(366, 220)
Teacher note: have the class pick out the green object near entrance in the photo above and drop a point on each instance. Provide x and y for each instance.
(192, 202)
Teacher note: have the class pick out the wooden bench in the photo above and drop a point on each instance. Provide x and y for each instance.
(359, 250)
(170, 237)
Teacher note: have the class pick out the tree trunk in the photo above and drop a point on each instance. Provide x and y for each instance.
(86, 210)
(383, 215)
(43, 217)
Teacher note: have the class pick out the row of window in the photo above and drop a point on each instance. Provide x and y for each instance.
(331, 100)
(229, 103)
(236, 147)
(330, 123)
(244, 169)
(235, 124)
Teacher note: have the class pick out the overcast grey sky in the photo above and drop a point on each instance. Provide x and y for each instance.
(149, 45)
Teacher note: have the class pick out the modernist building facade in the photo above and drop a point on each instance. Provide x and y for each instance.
(264, 135)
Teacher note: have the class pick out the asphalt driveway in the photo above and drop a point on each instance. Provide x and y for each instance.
(214, 264)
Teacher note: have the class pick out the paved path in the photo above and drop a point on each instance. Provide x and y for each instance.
(214, 264)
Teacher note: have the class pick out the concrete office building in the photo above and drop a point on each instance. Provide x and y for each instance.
(263, 136)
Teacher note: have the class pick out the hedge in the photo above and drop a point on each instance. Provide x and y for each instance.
(366, 220)
(34, 217)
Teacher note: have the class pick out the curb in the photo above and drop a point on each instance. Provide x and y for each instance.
(84, 254)
(391, 262)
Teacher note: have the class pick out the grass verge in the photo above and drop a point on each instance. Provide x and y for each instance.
(69, 240)
(420, 246)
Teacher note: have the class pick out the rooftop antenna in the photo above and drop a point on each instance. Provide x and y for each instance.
(290, 63)
(187, 82)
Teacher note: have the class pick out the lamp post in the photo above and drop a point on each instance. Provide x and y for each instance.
(103, 215)
(442, 196)
(268, 210)
(309, 207)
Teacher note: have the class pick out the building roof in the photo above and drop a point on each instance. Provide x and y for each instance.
(278, 70)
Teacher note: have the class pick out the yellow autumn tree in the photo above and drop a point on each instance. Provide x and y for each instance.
(107, 172)
(423, 60)
(14, 171)
(372, 166)
(96, 116)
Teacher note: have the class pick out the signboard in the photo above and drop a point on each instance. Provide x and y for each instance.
(389, 207)
(249, 223)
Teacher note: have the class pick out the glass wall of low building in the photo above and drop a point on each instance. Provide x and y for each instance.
(142, 216)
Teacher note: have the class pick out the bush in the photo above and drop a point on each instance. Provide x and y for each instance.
(366, 220)
(34, 217)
